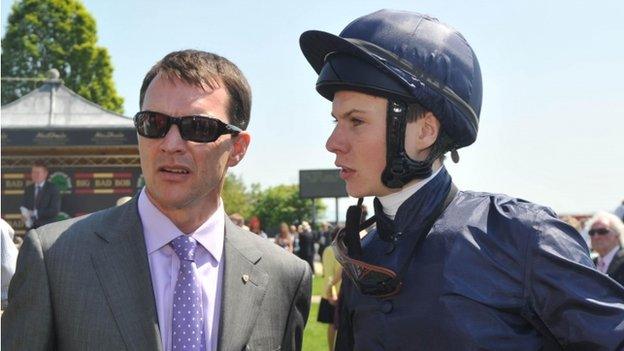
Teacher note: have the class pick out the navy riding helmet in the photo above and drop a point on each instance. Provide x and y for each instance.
(406, 57)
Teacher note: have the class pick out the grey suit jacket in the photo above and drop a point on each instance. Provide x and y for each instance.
(85, 284)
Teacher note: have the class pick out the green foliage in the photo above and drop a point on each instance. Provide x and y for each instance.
(282, 203)
(273, 205)
(61, 34)
(236, 198)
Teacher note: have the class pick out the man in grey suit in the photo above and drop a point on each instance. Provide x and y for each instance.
(167, 270)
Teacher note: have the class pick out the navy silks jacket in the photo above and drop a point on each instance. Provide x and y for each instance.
(494, 273)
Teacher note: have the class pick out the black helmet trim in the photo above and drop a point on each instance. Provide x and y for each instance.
(400, 168)
(346, 72)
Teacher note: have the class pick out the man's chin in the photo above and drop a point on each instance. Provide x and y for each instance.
(168, 199)
(355, 191)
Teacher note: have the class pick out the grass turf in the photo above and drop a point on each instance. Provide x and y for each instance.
(317, 285)
(315, 333)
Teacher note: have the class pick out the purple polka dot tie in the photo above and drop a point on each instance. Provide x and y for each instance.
(188, 320)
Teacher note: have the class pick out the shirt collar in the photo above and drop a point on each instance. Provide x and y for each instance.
(159, 230)
(392, 202)
(40, 185)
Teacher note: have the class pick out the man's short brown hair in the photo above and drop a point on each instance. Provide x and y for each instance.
(205, 69)
(41, 164)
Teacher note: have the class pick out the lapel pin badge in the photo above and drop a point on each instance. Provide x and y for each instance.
(245, 278)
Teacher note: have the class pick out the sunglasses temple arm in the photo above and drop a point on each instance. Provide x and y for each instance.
(232, 129)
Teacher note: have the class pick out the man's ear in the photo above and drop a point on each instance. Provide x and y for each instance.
(429, 130)
(420, 136)
(239, 148)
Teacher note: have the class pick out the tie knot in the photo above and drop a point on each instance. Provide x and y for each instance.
(184, 246)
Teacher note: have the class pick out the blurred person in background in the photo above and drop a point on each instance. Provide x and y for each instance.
(619, 211)
(306, 244)
(284, 239)
(255, 226)
(42, 200)
(332, 277)
(294, 234)
(607, 238)
(324, 238)
(573, 222)
(9, 259)
(239, 220)
(578, 225)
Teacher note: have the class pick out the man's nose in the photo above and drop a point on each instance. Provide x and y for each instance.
(337, 143)
(173, 142)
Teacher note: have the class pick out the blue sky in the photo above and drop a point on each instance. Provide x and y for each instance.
(552, 122)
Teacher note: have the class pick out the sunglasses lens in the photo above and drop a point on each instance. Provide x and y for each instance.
(151, 124)
(201, 129)
(601, 231)
(194, 128)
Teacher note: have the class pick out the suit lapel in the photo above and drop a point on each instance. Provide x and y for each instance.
(616, 262)
(29, 197)
(123, 270)
(244, 286)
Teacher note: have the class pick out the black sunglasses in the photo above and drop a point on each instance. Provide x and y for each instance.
(201, 129)
(599, 231)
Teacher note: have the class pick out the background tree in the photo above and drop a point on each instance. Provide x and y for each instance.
(282, 203)
(236, 198)
(61, 34)
(272, 205)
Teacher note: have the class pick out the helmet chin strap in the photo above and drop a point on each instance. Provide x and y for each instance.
(400, 168)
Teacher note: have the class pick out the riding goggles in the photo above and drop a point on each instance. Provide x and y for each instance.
(369, 279)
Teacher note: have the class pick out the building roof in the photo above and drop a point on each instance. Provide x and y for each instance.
(53, 105)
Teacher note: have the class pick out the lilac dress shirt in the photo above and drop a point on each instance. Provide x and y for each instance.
(164, 265)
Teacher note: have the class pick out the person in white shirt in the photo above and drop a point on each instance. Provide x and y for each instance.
(9, 258)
